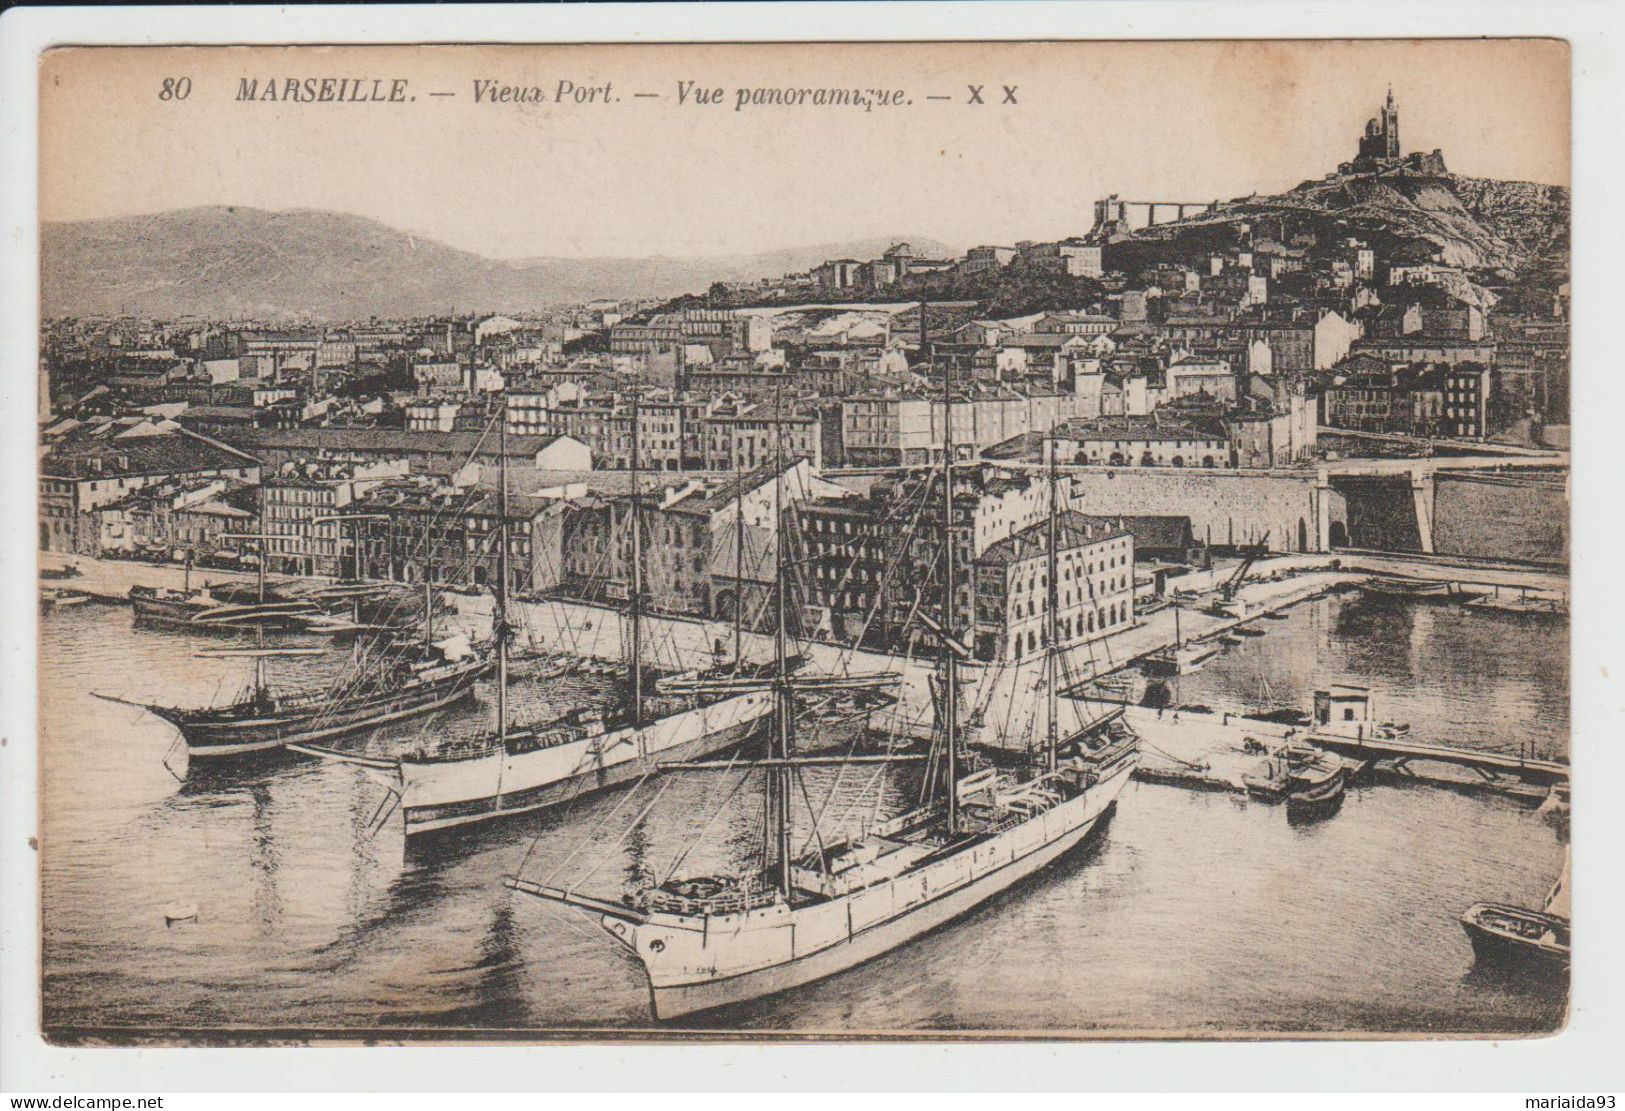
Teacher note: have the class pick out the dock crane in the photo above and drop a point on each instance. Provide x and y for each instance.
(1249, 555)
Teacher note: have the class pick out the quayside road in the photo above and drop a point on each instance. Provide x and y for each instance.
(1002, 694)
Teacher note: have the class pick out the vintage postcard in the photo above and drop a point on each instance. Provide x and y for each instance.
(786, 541)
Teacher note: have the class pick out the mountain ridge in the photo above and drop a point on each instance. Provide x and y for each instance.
(225, 261)
(235, 262)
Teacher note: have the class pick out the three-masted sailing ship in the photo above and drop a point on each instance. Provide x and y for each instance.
(588, 748)
(990, 818)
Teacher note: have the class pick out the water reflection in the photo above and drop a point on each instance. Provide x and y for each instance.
(1186, 912)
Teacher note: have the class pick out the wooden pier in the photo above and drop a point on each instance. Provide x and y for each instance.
(1495, 768)
(1207, 750)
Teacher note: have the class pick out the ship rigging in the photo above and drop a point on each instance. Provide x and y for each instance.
(986, 819)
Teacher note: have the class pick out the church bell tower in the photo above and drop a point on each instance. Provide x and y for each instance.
(1390, 126)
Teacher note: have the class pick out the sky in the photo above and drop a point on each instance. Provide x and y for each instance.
(619, 174)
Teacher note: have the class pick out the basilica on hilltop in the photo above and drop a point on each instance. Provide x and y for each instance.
(1379, 147)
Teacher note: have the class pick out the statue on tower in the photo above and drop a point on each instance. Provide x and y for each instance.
(1390, 124)
(1381, 140)
(1379, 146)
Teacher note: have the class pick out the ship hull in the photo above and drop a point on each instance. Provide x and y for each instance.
(1499, 947)
(1317, 798)
(439, 795)
(849, 943)
(164, 612)
(275, 616)
(1407, 588)
(251, 735)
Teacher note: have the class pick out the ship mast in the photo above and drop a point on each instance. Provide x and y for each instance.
(1052, 625)
(779, 776)
(636, 609)
(739, 559)
(264, 547)
(262, 539)
(950, 622)
(428, 589)
(354, 520)
(501, 613)
(777, 855)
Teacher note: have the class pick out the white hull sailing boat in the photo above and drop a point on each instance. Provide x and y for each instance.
(515, 771)
(878, 894)
(560, 761)
(711, 941)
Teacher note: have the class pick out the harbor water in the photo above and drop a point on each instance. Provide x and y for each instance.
(1188, 913)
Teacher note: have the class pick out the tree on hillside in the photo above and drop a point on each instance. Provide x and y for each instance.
(1012, 290)
(592, 343)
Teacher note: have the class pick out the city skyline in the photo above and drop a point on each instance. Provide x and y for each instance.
(877, 639)
(1243, 121)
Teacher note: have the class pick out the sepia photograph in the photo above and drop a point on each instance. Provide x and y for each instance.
(804, 541)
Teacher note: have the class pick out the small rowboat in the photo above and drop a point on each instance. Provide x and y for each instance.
(1410, 588)
(56, 598)
(1517, 936)
(180, 912)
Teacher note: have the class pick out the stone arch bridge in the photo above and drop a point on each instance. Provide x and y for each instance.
(1114, 211)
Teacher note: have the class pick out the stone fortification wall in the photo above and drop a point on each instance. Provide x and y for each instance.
(1502, 516)
(1378, 514)
(1225, 507)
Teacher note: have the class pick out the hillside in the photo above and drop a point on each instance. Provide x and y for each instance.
(662, 276)
(1009, 291)
(1475, 223)
(1533, 219)
(227, 262)
(1493, 230)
